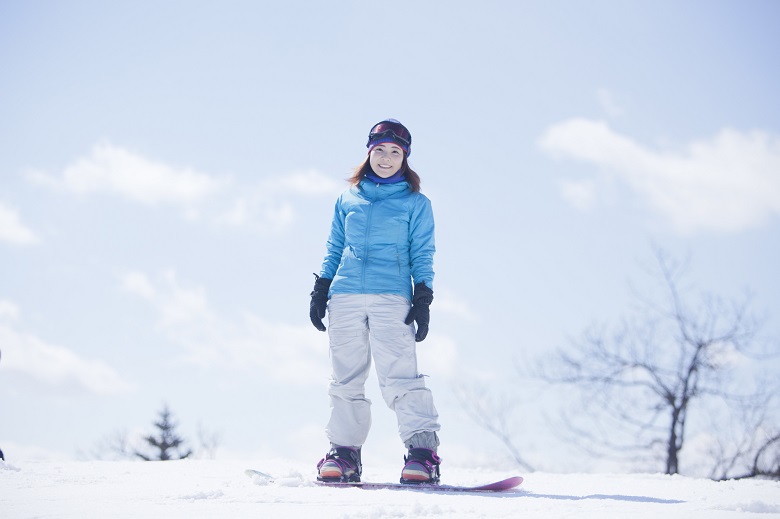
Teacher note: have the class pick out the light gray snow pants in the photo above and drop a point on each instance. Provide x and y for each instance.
(362, 326)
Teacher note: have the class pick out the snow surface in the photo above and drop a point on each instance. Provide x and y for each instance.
(213, 488)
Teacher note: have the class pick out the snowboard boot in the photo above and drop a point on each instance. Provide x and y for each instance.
(421, 466)
(340, 465)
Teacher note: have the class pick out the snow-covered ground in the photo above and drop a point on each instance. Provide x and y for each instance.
(209, 488)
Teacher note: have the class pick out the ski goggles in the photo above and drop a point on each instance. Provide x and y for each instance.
(390, 130)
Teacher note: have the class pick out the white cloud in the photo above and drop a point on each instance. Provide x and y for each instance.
(260, 211)
(728, 183)
(580, 194)
(175, 304)
(438, 356)
(309, 183)
(113, 170)
(8, 310)
(54, 365)
(137, 283)
(609, 103)
(447, 301)
(12, 230)
(287, 353)
(270, 205)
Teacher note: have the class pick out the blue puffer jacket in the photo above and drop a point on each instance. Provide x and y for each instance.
(381, 240)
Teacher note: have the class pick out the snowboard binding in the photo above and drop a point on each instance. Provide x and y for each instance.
(340, 465)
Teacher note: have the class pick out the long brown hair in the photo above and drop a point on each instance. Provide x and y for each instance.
(410, 175)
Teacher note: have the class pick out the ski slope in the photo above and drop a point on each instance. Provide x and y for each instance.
(191, 489)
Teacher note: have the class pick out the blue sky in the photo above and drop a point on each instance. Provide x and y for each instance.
(168, 170)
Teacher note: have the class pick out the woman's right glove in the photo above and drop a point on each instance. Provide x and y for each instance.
(319, 301)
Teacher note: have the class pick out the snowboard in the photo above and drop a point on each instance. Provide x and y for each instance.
(496, 486)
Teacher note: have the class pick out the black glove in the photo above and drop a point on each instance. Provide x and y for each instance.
(319, 301)
(420, 312)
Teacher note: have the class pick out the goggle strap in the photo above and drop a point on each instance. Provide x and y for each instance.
(373, 135)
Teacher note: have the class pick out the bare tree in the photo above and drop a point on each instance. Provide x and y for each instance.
(208, 443)
(757, 460)
(766, 461)
(113, 446)
(644, 381)
(749, 448)
(493, 413)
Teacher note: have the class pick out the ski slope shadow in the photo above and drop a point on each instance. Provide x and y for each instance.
(607, 497)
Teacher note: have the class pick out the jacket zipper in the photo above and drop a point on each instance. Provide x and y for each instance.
(365, 245)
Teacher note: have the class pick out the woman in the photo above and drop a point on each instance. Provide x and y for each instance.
(376, 281)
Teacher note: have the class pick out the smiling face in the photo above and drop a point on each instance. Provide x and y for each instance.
(386, 159)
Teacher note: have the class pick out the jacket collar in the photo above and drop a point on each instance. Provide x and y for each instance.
(399, 175)
(374, 191)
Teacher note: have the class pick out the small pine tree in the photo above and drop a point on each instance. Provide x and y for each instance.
(168, 443)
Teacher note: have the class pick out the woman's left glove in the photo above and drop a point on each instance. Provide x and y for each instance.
(319, 301)
(420, 311)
